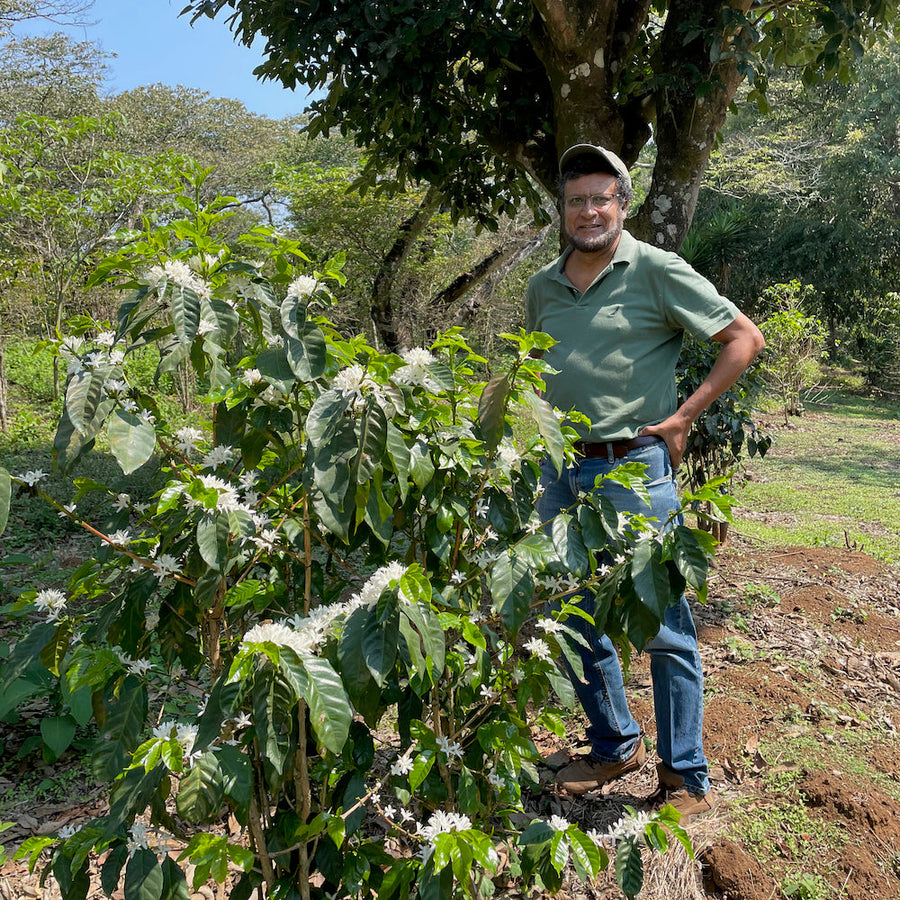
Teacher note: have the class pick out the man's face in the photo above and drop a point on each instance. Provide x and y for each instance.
(593, 228)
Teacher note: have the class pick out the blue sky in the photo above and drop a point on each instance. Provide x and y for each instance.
(154, 45)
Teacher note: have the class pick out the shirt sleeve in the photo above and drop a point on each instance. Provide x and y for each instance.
(692, 301)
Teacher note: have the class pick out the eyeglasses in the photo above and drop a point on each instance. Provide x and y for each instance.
(598, 201)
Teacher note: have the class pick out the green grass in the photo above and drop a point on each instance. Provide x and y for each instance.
(832, 478)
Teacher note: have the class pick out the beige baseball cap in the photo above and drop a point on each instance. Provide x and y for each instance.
(615, 164)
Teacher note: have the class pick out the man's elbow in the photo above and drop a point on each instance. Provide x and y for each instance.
(759, 342)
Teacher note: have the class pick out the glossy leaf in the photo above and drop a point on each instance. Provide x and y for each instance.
(492, 410)
(131, 439)
(512, 589)
(144, 878)
(201, 790)
(548, 426)
(329, 707)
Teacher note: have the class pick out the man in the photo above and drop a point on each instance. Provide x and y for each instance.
(619, 308)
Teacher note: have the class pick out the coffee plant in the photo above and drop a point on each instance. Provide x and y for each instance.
(314, 661)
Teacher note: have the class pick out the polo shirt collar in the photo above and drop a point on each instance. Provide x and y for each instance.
(625, 254)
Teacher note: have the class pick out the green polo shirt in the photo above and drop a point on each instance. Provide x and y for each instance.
(620, 340)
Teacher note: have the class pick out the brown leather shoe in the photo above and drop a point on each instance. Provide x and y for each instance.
(586, 774)
(672, 792)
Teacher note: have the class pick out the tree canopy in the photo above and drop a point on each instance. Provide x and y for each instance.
(478, 97)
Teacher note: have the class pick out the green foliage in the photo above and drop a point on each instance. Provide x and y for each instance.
(725, 431)
(794, 345)
(465, 96)
(351, 543)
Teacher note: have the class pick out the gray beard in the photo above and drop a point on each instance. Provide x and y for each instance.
(595, 244)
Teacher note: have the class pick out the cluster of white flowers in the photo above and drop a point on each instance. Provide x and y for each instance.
(302, 286)
(451, 749)
(559, 584)
(137, 667)
(549, 626)
(227, 497)
(186, 439)
(415, 373)
(181, 274)
(403, 766)
(138, 836)
(32, 477)
(186, 735)
(166, 565)
(354, 383)
(442, 823)
(558, 823)
(378, 582)
(508, 454)
(630, 827)
(301, 642)
(218, 456)
(539, 648)
(52, 602)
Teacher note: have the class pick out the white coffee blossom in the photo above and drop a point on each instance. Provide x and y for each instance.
(630, 827)
(218, 456)
(301, 642)
(115, 386)
(251, 377)
(558, 823)
(137, 838)
(32, 477)
(129, 405)
(52, 602)
(403, 766)
(539, 648)
(549, 626)
(137, 667)
(166, 565)
(186, 439)
(180, 273)
(67, 510)
(508, 454)
(378, 582)
(122, 536)
(302, 286)
(452, 749)
(106, 338)
(442, 823)
(415, 373)
(116, 357)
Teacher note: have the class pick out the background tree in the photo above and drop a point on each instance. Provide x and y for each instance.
(479, 98)
(66, 192)
(815, 182)
(50, 75)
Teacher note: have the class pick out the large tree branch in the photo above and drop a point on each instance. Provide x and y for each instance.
(410, 230)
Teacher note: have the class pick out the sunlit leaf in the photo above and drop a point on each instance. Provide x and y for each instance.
(131, 439)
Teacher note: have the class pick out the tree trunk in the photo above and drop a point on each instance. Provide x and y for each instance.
(382, 309)
(479, 282)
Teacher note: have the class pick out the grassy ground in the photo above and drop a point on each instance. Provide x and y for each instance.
(831, 479)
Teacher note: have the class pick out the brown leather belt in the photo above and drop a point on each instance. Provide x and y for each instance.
(615, 449)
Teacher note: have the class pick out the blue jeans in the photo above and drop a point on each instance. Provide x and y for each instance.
(675, 666)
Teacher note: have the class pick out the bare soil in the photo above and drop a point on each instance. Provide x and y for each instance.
(801, 649)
